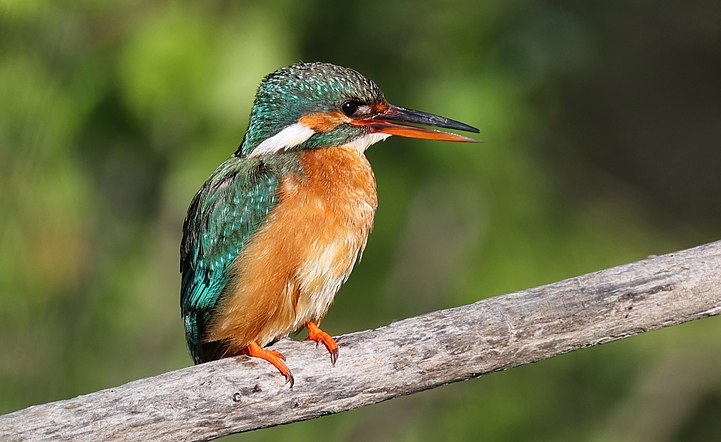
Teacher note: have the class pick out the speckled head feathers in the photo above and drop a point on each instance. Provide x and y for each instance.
(313, 87)
(289, 93)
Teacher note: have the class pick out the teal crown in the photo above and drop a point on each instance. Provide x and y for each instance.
(293, 91)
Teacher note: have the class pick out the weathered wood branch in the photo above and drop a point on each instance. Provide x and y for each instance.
(238, 394)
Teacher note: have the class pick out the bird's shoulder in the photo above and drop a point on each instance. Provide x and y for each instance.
(224, 213)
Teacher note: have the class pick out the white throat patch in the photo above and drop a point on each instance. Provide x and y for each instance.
(364, 142)
(290, 136)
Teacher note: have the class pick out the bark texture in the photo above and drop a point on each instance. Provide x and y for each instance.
(241, 394)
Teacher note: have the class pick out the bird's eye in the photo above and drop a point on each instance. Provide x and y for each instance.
(349, 108)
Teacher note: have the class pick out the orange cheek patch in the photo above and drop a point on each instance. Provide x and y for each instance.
(324, 121)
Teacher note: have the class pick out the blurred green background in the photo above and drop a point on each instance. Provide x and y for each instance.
(603, 130)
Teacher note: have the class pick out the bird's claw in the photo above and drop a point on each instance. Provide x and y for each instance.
(274, 357)
(318, 335)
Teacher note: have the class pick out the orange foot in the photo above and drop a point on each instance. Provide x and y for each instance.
(272, 356)
(318, 335)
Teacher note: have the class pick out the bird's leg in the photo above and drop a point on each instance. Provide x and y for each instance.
(318, 335)
(272, 356)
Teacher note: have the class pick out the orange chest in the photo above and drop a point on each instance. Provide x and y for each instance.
(291, 270)
(337, 184)
(332, 207)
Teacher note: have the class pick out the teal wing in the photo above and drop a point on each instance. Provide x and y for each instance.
(223, 215)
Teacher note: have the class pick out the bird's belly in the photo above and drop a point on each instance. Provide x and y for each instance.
(292, 267)
(325, 268)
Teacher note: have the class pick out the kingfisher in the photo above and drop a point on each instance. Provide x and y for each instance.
(275, 231)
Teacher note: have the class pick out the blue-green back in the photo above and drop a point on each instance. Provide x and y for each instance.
(222, 217)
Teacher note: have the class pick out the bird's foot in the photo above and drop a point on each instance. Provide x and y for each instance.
(318, 335)
(272, 356)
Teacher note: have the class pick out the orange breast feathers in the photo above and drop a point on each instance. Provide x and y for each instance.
(292, 268)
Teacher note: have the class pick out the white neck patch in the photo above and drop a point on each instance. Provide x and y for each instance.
(290, 136)
(298, 133)
(364, 142)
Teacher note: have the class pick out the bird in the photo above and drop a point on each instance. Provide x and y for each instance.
(276, 229)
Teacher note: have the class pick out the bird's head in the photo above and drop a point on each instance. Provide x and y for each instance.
(314, 105)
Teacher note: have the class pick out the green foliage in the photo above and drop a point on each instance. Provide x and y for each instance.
(602, 147)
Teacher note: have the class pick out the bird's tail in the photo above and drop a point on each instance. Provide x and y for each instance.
(199, 350)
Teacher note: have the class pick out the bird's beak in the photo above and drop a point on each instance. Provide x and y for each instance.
(386, 121)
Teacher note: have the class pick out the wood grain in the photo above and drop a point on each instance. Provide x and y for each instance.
(238, 394)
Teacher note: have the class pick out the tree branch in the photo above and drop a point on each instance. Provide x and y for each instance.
(241, 394)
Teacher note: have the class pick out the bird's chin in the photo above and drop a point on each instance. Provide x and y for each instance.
(364, 142)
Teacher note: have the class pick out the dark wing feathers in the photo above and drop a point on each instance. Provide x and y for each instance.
(224, 213)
